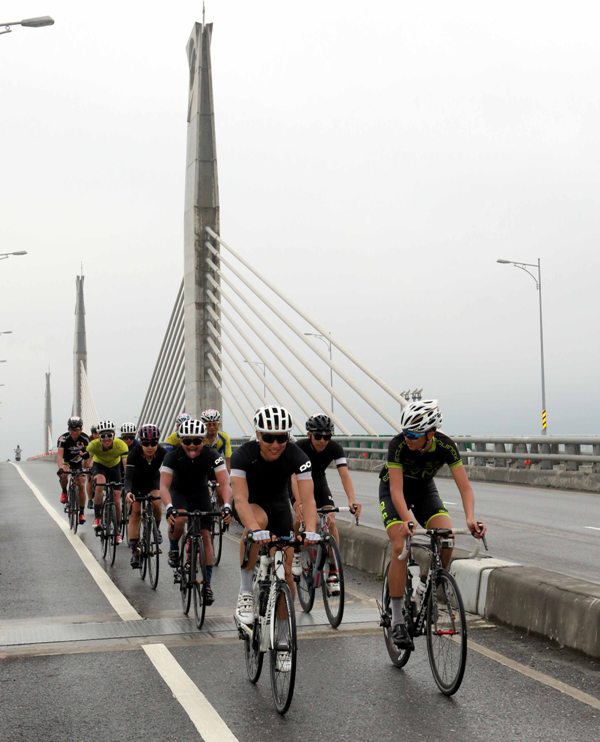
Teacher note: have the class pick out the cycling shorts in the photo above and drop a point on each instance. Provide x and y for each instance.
(323, 496)
(422, 498)
(280, 517)
(111, 473)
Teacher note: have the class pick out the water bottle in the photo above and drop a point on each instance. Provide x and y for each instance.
(414, 574)
(296, 565)
(420, 592)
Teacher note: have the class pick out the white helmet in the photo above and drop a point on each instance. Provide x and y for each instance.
(106, 426)
(273, 419)
(421, 417)
(210, 416)
(181, 418)
(192, 427)
(128, 429)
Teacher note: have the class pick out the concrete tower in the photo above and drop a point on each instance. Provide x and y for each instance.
(79, 347)
(201, 210)
(48, 440)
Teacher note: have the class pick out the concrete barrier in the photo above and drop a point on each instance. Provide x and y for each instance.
(560, 608)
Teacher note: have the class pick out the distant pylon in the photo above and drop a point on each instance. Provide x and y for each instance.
(48, 440)
(79, 347)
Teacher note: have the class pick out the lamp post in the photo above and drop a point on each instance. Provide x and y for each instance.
(5, 255)
(44, 20)
(264, 373)
(327, 342)
(538, 285)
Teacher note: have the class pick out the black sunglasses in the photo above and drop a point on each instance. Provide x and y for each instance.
(128, 437)
(275, 437)
(322, 436)
(107, 435)
(146, 442)
(192, 441)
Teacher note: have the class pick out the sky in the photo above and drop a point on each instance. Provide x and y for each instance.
(375, 159)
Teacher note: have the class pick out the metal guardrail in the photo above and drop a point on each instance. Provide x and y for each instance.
(526, 452)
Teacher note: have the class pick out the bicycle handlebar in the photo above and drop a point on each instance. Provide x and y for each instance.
(277, 542)
(441, 532)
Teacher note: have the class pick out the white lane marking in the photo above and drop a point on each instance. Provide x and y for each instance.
(540, 677)
(203, 716)
(592, 528)
(115, 597)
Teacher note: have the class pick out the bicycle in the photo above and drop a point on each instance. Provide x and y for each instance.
(191, 572)
(274, 625)
(440, 615)
(322, 567)
(149, 541)
(109, 528)
(72, 506)
(217, 527)
(124, 521)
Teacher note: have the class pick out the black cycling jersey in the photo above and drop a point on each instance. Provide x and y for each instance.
(320, 460)
(73, 450)
(268, 480)
(190, 476)
(417, 464)
(143, 476)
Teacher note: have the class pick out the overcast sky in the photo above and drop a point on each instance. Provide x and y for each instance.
(375, 159)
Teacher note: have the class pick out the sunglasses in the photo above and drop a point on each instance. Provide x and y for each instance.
(146, 442)
(192, 441)
(322, 436)
(107, 435)
(411, 435)
(275, 438)
(128, 437)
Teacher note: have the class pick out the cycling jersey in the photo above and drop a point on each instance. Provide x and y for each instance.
(417, 464)
(110, 457)
(190, 476)
(320, 460)
(74, 451)
(268, 480)
(221, 443)
(143, 476)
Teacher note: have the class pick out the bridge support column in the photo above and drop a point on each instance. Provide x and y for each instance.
(500, 448)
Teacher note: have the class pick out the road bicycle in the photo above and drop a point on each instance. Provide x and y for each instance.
(217, 527)
(148, 545)
(273, 629)
(124, 521)
(109, 528)
(322, 567)
(435, 610)
(190, 574)
(72, 506)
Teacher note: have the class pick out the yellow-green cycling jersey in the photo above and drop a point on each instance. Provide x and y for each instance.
(109, 457)
(173, 439)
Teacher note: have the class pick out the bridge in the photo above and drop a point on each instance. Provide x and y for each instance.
(234, 341)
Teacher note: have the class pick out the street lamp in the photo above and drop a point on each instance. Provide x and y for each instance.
(538, 285)
(44, 20)
(327, 342)
(264, 374)
(4, 255)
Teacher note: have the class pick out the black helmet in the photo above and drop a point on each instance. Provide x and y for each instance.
(93, 429)
(319, 424)
(74, 422)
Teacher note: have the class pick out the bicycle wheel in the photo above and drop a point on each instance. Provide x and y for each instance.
(104, 530)
(198, 581)
(111, 534)
(153, 552)
(124, 516)
(216, 536)
(398, 656)
(184, 570)
(283, 651)
(306, 581)
(144, 545)
(333, 584)
(73, 506)
(446, 633)
(254, 657)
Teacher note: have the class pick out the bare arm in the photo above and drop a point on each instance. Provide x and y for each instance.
(239, 487)
(166, 478)
(468, 500)
(306, 494)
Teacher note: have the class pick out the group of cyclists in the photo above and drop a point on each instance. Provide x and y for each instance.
(272, 484)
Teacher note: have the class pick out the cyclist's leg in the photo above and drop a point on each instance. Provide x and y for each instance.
(324, 499)
(281, 522)
(432, 513)
(100, 478)
(179, 503)
(134, 520)
(244, 611)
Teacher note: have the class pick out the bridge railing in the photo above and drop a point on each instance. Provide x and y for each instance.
(534, 452)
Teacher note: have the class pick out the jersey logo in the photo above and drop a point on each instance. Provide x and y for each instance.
(304, 467)
(218, 461)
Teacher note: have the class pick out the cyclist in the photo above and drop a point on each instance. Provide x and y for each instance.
(406, 483)
(260, 475)
(89, 485)
(173, 439)
(216, 438)
(321, 451)
(71, 454)
(107, 453)
(184, 484)
(128, 434)
(142, 477)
